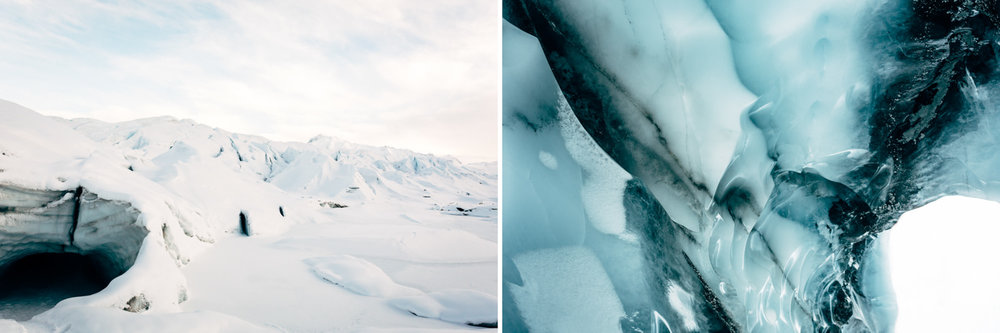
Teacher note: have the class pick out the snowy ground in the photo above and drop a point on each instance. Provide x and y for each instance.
(267, 281)
(418, 249)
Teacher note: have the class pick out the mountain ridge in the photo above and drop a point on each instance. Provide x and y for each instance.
(324, 166)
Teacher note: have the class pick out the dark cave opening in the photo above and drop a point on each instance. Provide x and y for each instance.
(35, 283)
(244, 227)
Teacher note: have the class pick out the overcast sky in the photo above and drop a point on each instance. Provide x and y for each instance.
(421, 75)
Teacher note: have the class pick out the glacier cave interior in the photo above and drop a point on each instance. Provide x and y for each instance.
(725, 166)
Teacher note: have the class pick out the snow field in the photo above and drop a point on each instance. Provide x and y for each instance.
(196, 270)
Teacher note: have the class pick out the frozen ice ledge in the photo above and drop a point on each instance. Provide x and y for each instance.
(769, 144)
(45, 221)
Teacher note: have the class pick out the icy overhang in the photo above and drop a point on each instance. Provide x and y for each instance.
(68, 221)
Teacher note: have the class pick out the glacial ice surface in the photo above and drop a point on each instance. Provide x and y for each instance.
(750, 155)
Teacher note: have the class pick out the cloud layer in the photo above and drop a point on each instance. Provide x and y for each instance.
(413, 74)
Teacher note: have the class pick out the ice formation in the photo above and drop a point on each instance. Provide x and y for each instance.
(767, 145)
(137, 202)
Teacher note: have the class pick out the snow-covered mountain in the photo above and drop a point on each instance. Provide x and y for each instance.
(145, 199)
(324, 167)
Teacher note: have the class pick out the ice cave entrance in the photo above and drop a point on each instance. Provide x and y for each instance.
(944, 267)
(35, 283)
(61, 244)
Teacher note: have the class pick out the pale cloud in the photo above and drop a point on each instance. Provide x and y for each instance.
(414, 74)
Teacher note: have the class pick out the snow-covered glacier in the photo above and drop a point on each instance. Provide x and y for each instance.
(169, 225)
(693, 166)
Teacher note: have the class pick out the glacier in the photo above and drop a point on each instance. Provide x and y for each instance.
(163, 224)
(749, 156)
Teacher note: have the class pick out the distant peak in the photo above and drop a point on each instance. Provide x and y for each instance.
(161, 118)
(322, 139)
(327, 141)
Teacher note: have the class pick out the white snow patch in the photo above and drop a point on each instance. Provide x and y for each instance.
(7, 325)
(566, 290)
(358, 275)
(603, 188)
(109, 320)
(410, 242)
(461, 306)
(239, 272)
(548, 160)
